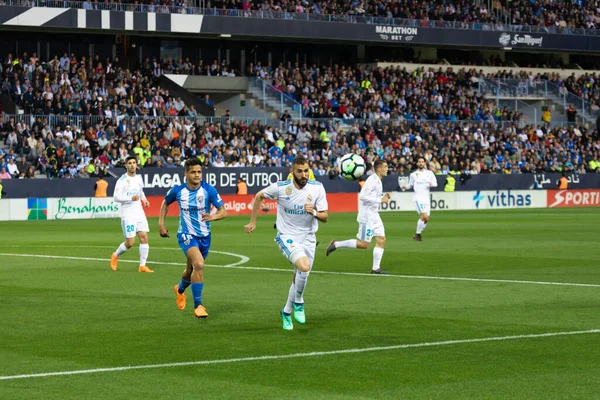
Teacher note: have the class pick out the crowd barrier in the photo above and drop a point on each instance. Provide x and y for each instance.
(94, 207)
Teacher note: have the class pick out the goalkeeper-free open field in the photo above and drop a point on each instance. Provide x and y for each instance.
(491, 305)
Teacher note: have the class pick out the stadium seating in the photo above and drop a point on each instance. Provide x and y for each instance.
(89, 115)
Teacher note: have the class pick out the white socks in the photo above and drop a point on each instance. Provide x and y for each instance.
(295, 295)
(301, 278)
(420, 226)
(350, 243)
(290, 301)
(122, 249)
(144, 250)
(377, 255)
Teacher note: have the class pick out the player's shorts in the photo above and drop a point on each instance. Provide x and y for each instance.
(422, 206)
(367, 230)
(132, 225)
(187, 241)
(294, 247)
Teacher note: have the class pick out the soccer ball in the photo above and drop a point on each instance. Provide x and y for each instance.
(352, 167)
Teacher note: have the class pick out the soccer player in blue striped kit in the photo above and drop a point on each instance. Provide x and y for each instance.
(195, 198)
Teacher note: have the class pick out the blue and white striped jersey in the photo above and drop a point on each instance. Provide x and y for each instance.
(192, 204)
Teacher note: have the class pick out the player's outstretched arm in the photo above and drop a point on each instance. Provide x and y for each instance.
(260, 196)
(162, 229)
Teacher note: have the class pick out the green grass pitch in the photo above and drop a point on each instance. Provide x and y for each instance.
(69, 312)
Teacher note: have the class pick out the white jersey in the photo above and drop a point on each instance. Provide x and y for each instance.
(370, 199)
(291, 217)
(127, 187)
(422, 181)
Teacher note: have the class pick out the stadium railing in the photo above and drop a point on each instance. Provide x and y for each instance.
(276, 98)
(334, 123)
(525, 88)
(77, 120)
(498, 27)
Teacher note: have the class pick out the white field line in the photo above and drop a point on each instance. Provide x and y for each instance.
(239, 266)
(296, 355)
(243, 259)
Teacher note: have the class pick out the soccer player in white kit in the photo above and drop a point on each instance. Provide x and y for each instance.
(129, 193)
(301, 204)
(422, 180)
(370, 224)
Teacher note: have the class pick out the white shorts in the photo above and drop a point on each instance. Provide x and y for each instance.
(423, 207)
(132, 225)
(296, 246)
(367, 230)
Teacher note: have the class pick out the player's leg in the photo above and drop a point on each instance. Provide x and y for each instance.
(142, 232)
(289, 249)
(197, 251)
(379, 234)
(303, 265)
(361, 242)
(185, 281)
(197, 280)
(423, 211)
(128, 228)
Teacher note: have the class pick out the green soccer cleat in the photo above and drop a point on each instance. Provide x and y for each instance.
(288, 325)
(299, 313)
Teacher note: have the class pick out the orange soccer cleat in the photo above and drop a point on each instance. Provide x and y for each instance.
(114, 260)
(180, 298)
(200, 312)
(143, 268)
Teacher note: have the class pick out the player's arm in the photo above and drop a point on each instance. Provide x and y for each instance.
(162, 229)
(119, 197)
(321, 216)
(220, 214)
(433, 181)
(368, 194)
(319, 210)
(164, 210)
(143, 195)
(256, 204)
(216, 201)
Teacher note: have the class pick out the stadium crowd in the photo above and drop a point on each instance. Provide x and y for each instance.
(560, 15)
(83, 116)
(390, 93)
(458, 147)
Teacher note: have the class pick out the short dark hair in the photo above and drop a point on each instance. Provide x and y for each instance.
(299, 160)
(130, 158)
(378, 164)
(192, 162)
(424, 160)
